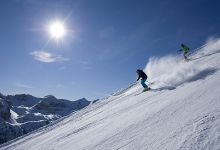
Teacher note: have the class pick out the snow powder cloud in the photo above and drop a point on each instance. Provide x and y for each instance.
(212, 46)
(172, 70)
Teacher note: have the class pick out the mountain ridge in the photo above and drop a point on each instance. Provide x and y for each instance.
(24, 113)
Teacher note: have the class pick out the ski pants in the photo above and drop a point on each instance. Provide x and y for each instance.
(143, 83)
(185, 55)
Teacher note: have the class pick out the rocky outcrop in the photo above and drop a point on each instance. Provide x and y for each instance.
(23, 113)
(5, 107)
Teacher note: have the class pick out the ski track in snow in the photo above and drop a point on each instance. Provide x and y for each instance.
(177, 114)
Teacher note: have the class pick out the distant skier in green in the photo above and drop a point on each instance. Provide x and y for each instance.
(143, 77)
(185, 51)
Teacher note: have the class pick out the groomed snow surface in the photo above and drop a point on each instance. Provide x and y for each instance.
(182, 111)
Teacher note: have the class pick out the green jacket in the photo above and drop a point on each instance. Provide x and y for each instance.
(185, 49)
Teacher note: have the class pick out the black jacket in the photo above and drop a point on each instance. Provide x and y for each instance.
(142, 75)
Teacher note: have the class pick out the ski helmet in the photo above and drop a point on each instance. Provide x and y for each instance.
(138, 70)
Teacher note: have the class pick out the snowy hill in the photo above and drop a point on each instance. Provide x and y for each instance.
(182, 111)
(21, 114)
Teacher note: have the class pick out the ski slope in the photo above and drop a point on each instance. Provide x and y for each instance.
(181, 112)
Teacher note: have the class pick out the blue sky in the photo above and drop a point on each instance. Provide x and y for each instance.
(106, 42)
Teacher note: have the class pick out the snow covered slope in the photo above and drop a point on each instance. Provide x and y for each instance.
(181, 112)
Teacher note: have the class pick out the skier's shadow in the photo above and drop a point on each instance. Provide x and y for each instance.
(164, 88)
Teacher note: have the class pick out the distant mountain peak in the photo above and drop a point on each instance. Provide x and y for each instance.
(23, 113)
(50, 97)
(1, 95)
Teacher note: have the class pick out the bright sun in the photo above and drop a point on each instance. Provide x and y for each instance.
(57, 30)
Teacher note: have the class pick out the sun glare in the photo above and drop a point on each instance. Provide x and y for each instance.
(57, 30)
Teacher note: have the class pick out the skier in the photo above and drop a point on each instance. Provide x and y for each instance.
(143, 77)
(185, 51)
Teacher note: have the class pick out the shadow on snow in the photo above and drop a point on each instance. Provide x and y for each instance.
(199, 76)
(218, 51)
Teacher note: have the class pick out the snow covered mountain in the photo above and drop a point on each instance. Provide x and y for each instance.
(182, 111)
(21, 114)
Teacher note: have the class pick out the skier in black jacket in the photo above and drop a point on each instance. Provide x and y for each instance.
(143, 77)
